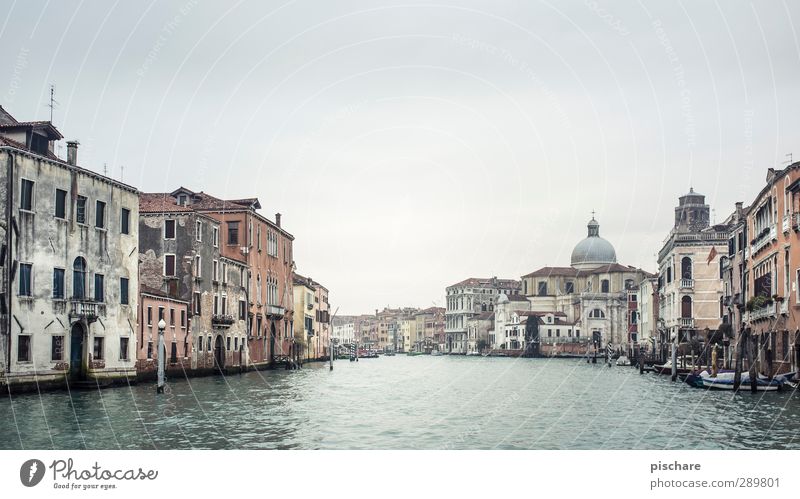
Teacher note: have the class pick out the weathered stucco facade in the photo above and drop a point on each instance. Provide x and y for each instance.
(69, 271)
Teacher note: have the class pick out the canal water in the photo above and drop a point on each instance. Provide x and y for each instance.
(406, 402)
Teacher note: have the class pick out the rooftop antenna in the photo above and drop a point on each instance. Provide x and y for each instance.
(121, 172)
(789, 162)
(105, 170)
(53, 102)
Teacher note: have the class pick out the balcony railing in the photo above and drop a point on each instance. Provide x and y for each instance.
(275, 311)
(220, 320)
(762, 313)
(786, 223)
(796, 221)
(766, 236)
(686, 322)
(86, 309)
(687, 283)
(784, 307)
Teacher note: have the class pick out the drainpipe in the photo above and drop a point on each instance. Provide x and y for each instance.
(9, 253)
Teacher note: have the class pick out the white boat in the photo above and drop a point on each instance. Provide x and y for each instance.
(623, 360)
(724, 381)
(436, 353)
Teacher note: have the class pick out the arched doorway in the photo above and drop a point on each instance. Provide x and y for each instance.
(219, 353)
(76, 369)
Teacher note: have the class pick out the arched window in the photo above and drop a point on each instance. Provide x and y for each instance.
(79, 278)
(686, 268)
(628, 283)
(604, 286)
(686, 307)
(597, 314)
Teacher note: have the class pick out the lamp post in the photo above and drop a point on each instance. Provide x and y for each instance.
(161, 355)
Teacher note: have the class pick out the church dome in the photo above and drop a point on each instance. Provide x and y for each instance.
(594, 251)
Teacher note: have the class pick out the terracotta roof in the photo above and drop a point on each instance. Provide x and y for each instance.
(160, 203)
(516, 298)
(551, 271)
(486, 282)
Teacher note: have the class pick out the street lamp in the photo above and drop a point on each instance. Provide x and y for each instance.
(161, 355)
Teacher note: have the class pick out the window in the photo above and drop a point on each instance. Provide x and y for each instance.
(149, 349)
(216, 305)
(149, 316)
(160, 313)
(686, 307)
(80, 210)
(26, 195)
(169, 229)
(604, 286)
(686, 268)
(669, 275)
(123, 290)
(25, 277)
(58, 284)
(172, 317)
(597, 314)
(100, 215)
(99, 296)
(199, 343)
(224, 304)
(215, 236)
(208, 344)
(198, 231)
(197, 304)
(61, 204)
(233, 232)
(98, 350)
(125, 222)
(224, 273)
(242, 310)
(569, 287)
(183, 319)
(123, 348)
(542, 290)
(173, 353)
(236, 343)
(182, 199)
(169, 265)
(215, 271)
(228, 343)
(57, 348)
(79, 278)
(258, 237)
(23, 348)
(197, 266)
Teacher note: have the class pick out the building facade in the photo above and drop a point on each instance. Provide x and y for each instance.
(690, 285)
(69, 298)
(592, 292)
(467, 299)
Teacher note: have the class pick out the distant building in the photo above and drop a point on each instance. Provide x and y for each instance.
(68, 261)
(344, 333)
(467, 299)
(650, 337)
(592, 292)
(505, 308)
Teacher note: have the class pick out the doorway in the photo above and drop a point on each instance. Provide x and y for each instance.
(219, 353)
(76, 369)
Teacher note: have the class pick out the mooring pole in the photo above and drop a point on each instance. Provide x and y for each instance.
(161, 354)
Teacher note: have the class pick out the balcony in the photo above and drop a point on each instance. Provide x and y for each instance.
(796, 221)
(762, 312)
(219, 320)
(89, 310)
(686, 322)
(275, 311)
(786, 223)
(784, 307)
(764, 238)
(687, 283)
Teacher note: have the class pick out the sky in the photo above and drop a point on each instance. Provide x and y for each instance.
(409, 145)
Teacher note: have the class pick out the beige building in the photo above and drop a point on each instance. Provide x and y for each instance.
(690, 299)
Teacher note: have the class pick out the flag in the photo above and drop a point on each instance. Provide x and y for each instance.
(711, 255)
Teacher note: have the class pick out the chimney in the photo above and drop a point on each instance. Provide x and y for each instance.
(739, 207)
(278, 219)
(72, 152)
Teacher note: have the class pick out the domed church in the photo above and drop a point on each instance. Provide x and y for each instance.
(593, 292)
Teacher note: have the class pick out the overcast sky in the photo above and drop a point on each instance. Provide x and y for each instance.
(410, 145)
